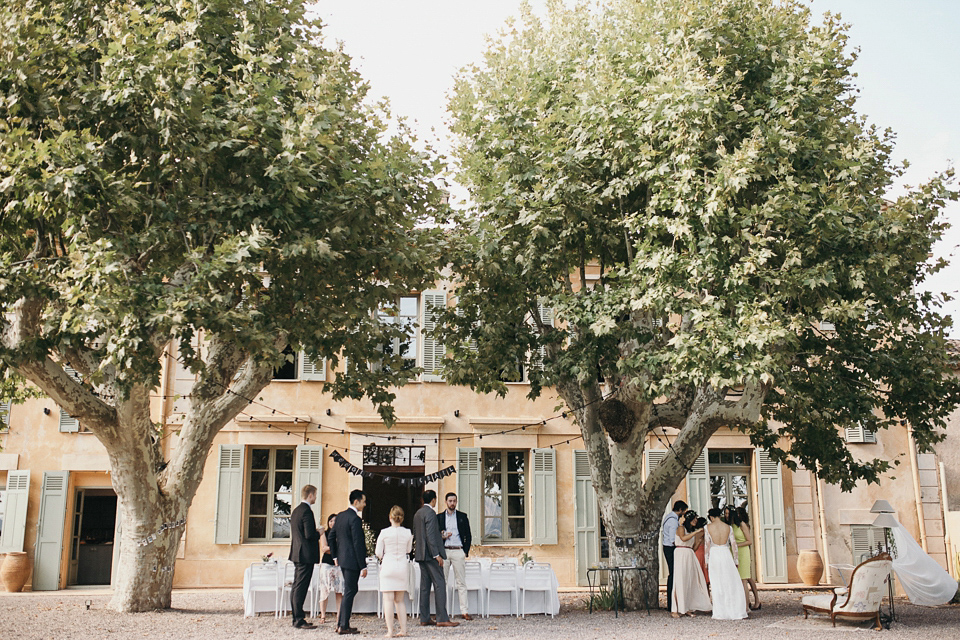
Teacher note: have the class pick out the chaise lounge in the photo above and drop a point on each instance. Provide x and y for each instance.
(863, 598)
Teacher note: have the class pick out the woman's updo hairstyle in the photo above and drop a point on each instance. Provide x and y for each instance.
(714, 513)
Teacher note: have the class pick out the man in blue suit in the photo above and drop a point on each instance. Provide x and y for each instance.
(304, 553)
(349, 550)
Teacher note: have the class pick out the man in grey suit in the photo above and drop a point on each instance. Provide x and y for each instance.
(430, 554)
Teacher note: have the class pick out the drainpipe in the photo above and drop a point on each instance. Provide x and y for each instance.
(944, 506)
(914, 467)
(821, 516)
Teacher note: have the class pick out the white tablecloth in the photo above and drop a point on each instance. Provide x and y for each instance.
(366, 600)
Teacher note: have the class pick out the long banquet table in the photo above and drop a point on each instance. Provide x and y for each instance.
(366, 600)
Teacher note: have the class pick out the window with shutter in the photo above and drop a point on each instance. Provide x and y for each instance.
(698, 484)
(50, 523)
(311, 369)
(586, 517)
(865, 540)
(505, 495)
(68, 424)
(468, 485)
(15, 500)
(546, 317)
(270, 492)
(772, 561)
(433, 350)
(310, 471)
(4, 415)
(860, 435)
(229, 494)
(544, 496)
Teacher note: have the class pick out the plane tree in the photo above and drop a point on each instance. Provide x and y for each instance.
(688, 186)
(203, 181)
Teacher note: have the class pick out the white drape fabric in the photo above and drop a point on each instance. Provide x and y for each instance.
(924, 581)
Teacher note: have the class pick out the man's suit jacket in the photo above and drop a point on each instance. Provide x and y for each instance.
(463, 528)
(427, 534)
(346, 541)
(304, 537)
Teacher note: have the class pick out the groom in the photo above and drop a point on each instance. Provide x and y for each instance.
(350, 550)
(670, 524)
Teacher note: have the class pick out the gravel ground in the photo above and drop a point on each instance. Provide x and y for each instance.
(218, 614)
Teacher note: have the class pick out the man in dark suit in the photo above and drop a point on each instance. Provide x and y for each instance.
(349, 550)
(455, 531)
(304, 553)
(430, 554)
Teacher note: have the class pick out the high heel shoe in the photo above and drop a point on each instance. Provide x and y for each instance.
(756, 608)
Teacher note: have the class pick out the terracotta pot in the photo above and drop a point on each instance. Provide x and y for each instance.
(810, 566)
(15, 571)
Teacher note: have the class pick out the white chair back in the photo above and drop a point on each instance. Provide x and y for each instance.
(473, 575)
(538, 578)
(502, 575)
(263, 573)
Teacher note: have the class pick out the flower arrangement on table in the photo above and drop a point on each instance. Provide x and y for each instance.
(267, 557)
(370, 541)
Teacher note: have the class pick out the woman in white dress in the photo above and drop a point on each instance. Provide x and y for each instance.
(729, 602)
(689, 586)
(331, 578)
(393, 545)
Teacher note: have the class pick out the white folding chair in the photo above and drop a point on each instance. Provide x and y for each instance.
(537, 577)
(473, 576)
(503, 578)
(285, 573)
(263, 579)
(313, 591)
(372, 583)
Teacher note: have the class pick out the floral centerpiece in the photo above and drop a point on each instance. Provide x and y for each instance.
(267, 557)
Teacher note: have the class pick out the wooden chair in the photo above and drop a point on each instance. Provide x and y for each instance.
(862, 599)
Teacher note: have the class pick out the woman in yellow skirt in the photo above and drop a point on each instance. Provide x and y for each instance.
(739, 520)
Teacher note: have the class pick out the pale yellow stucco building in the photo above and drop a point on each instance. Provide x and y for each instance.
(521, 476)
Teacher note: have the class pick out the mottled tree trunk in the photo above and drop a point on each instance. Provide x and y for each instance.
(148, 551)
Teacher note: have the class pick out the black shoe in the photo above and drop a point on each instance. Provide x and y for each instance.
(347, 631)
(304, 625)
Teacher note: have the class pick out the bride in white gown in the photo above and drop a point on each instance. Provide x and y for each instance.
(729, 602)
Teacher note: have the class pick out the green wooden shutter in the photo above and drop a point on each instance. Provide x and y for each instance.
(433, 350)
(860, 435)
(229, 495)
(698, 485)
(310, 471)
(16, 498)
(310, 369)
(469, 491)
(864, 539)
(68, 424)
(544, 496)
(546, 316)
(586, 517)
(653, 458)
(4, 415)
(53, 512)
(773, 546)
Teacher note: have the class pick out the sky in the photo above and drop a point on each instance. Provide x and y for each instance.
(908, 74)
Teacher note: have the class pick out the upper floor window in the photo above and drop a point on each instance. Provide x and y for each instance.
(4, 415)
(299, 366)
(860, 435)
(269, 496)
(504, 500)
(406, 314)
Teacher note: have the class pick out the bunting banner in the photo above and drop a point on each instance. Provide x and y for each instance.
(403, 482)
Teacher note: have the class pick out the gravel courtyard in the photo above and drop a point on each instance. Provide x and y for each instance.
(217, 614)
